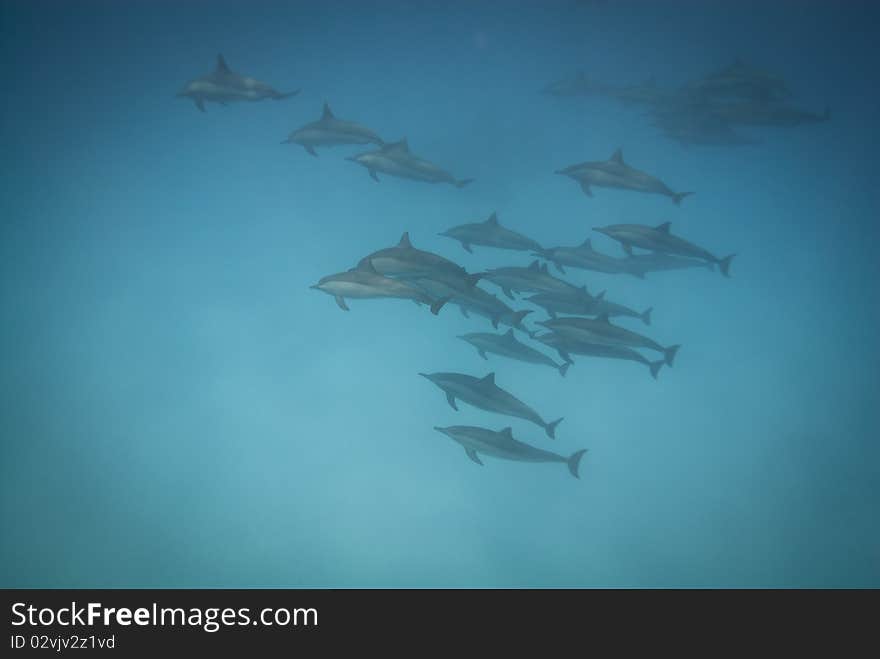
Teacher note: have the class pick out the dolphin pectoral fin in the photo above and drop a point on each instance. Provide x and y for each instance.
(678, 196)
(436, 305)
(200, 104)
(467, 248)
(472, 454)
(495, 320)
(373, 175)
(565, 356)
(482, 353)
(311, 150)
(464, 312)
(559, 267)
(563, 368)
(627, 248)
(586, 188)
(340, 301)
(451, 400)
(463, 182)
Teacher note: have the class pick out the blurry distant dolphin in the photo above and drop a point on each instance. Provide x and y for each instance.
(506, 345)
(501, 444)
(490, 234)
(225, 86)
(533, 279)
(740, 80)
(615, 173)
(330, 131)
(659, 239)
(601, 331)
(641, 264)
(565, 346)
(486, 395)
(395, 159)
(364, 282)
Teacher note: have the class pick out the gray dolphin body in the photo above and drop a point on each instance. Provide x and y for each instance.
(484, 394)
(330, 131)
(583, 257)
(642, 264)
(586, 304)
(395, 159)
(501, 444)
(566, 346)
(740, 80)
(490, 234)
(659, 239)
(476, 301)
(507, 345)
(602, 332)
(533, 279)
(225, 86)
(615, 173)
(406, 262)
(365, 283)
(766, 114)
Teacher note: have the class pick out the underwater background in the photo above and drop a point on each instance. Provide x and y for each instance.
(179, 409)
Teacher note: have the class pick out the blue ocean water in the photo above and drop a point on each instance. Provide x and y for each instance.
(179, 409)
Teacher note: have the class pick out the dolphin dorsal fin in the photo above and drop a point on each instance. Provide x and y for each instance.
(617, 157)
(507, 432)
(493, 220)
(489, 379)
(587, 243)
(534, 265)
(401, 146)
(404, 241)
(222, 67)
(327, 113)
(366, 265)
(663, 228)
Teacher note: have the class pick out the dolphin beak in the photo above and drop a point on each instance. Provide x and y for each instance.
(315, 287)
(425, 375)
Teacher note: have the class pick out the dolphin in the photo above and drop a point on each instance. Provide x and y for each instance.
(566, 346)
(490, 234)
(395, 159)
(533, 279)
(641, 264)
(615, 173)
(477, 301)
(659, 239)
(484, 394)
(600, 330)
(740, 80)
(330, 131)
(587, 305)
(583, 257)
(364, 283)
(501, 444)
(225, 86)
(762, 114)
(507, 345)
(406, 262)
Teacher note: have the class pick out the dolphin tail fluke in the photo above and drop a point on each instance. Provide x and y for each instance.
(574, 462)
(436, 305)
(463, 182)
(724, 265)
(551, 428)
(563, 369)
(655, 367)
(646, 316)
(669, 354)
(678, 196)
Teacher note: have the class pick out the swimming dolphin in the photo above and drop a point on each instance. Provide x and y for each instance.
(490, 234)
(533, 279)
(740, 80)
(600, 330)
(764, 114)
(615, 173)
(507, 345)
(583, 257)
(395, 159)
(659, 239)
(406, 262)
(641, 264)
(566, 346)
(364, 283)
(484, 394)
(477, 301)
(330, 131)
(587, 305)
(225, 86)
(501, 444)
